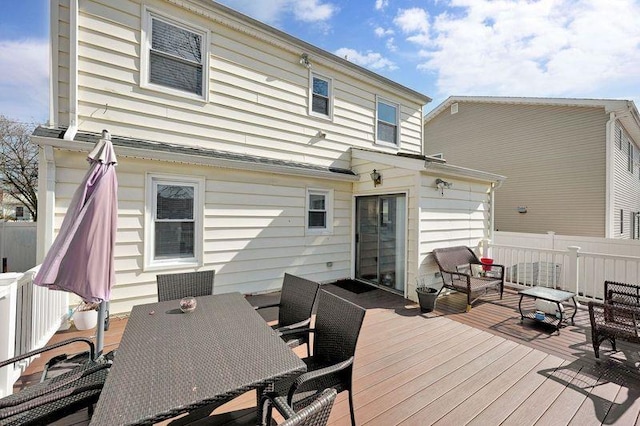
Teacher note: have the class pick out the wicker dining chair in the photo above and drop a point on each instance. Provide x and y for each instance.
(177, 286)
(335, 335)
(315, 414)
(59, 396)
(297, 298)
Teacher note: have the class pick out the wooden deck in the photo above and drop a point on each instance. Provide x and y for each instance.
(484, 367)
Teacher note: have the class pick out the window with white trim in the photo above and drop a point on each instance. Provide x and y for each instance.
(319, 218)
(635, 225)
(387, 122)
(619, 137)
(174, 221)
(174, 56)
(629, 156)
(621, 221)
(321, 96)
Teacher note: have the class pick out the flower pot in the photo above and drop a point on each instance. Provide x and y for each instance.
(427, 298)
(85, 320)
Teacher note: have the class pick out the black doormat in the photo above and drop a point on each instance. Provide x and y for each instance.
(354, 286)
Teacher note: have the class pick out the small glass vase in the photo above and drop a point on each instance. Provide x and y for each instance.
(188, 304)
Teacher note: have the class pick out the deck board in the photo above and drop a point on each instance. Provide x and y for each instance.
(448, 367)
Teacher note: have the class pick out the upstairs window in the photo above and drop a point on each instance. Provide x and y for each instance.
(175, 57)
(175, 221)
(387, 122)
(630, 156)
(319, 211)
(321, 96)
(619, 137)
(19, 212)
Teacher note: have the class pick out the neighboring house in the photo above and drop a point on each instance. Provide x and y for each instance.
(572, 165)
(245, 150)
(14, 209)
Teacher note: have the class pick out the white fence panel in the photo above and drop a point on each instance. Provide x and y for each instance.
(30, 316)
(18, 245)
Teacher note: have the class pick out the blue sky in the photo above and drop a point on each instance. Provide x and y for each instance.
(548, 48)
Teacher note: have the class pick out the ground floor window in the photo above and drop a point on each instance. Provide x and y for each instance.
(174, 221)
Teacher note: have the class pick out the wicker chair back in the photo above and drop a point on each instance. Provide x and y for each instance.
(296, 299)
(177, 286)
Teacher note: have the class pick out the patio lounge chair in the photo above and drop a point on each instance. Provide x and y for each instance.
(617, 318)
(177, 286)
(336, 331)
(294, 309)
(457, 270)
(59, 396)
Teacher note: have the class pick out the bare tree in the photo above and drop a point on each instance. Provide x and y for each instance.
(19, 163)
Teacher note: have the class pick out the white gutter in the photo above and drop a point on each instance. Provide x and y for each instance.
(73, 71)
(609, 214)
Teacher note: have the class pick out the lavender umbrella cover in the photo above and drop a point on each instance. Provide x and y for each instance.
(80, 259)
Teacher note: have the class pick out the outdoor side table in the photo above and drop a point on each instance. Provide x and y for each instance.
(171, 362)
(550, 295)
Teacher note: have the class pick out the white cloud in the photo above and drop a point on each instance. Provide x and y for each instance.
(391, 45)
(273, 11)
(381, 32)
(523, 48)
(368, 59)
(24, 79)
(414, 22)
(381, 4)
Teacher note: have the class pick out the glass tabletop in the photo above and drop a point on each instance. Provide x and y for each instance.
(545, 293)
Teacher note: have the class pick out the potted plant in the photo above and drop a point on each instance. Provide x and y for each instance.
(85, 317)
(427, 298)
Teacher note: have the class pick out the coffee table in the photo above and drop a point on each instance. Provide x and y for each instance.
(550, 295)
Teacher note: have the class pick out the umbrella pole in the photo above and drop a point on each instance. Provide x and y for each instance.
(102, 311)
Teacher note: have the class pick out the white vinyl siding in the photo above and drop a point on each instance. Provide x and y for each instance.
(258, 91)
(552, 156)
(626, 195)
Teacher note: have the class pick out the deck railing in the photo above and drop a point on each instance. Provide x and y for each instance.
(29, 317)
(570, 269)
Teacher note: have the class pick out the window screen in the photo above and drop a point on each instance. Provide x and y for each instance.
(174, 221)
(387, 123)
(320, 98)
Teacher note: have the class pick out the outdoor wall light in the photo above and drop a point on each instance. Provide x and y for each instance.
(376, 178)
(304, 60)
(441, 184)
(321, 134)
(522, 209)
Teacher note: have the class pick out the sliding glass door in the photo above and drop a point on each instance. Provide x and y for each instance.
(380, 240)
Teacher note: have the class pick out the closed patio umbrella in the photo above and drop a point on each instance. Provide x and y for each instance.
(80, 259)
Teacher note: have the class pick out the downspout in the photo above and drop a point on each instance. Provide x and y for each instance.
(492, 203)
(53, 64)
(610, 132)
(73, 71)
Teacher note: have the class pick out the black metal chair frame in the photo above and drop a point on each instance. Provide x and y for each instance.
(60, 396)
(295, 307)
(177, 286)
(336, 330)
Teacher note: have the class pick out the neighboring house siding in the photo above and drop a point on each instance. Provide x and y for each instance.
(254, 227)
(258, 92)
(553, 158)
(626, 195)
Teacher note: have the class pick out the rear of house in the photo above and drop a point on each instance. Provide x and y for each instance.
(569, 163)
(236, 145)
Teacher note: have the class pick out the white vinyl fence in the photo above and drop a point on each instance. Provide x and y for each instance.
(576, 264)
(18, 245)
(29, 317)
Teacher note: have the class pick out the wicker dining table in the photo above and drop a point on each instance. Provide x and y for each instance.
(170, 362)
